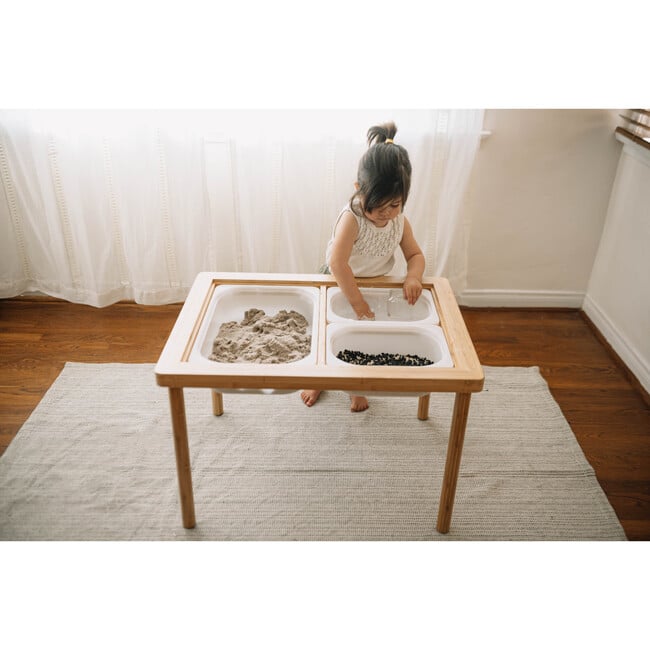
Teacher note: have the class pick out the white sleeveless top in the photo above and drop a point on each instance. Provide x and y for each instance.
(373, 252)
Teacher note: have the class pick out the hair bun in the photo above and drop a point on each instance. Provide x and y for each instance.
(381, 133)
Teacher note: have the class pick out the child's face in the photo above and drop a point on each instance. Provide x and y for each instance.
(381, 215)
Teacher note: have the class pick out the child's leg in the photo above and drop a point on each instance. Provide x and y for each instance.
(358, 403)
(310, 397)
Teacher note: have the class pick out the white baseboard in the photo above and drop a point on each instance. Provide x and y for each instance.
(628, 353)
(517, 298)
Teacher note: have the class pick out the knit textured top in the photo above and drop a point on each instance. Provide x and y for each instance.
(373, 252)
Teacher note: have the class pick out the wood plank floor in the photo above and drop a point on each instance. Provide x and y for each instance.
(606, 412)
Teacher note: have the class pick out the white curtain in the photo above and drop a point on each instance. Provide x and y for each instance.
(100, 206)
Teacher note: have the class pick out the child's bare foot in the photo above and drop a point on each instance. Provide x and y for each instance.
(358, 403)
(310, 397)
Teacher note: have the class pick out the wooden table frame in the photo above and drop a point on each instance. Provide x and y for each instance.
(176, 372)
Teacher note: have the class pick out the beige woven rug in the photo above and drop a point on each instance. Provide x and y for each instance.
(95, 461)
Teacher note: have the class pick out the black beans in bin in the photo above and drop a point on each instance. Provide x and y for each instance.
(382, 359)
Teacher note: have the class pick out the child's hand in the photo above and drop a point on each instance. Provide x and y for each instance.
(363, 311)
(412, 290)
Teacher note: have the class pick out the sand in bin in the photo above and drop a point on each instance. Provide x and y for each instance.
(259, 338)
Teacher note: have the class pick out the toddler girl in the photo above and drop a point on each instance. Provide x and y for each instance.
(369, 229)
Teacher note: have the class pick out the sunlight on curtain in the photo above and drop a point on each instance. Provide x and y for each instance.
(99, 206)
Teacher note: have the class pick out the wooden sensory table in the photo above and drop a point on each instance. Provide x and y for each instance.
(175, 371)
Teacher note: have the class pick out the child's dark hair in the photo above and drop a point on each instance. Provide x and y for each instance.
(384, 170)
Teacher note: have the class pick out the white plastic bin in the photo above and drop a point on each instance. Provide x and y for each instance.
(387, 304)
(374, 338)
(230, 302)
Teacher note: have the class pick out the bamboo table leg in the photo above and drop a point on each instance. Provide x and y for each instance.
(183, 467)
(452, 465)
(423, 407)
(217, 403)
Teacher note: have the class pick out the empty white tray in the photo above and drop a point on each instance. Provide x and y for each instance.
(387, 304)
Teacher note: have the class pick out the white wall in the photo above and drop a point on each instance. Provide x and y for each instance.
(618, 294)
(536, 205)
(557, 214)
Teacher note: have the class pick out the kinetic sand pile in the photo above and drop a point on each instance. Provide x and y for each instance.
(263, 339)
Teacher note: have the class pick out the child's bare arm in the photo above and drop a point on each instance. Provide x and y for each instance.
(415, 264)
(344, 236)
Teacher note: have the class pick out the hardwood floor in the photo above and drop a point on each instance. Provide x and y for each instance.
(607, 413)
(37, 337)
